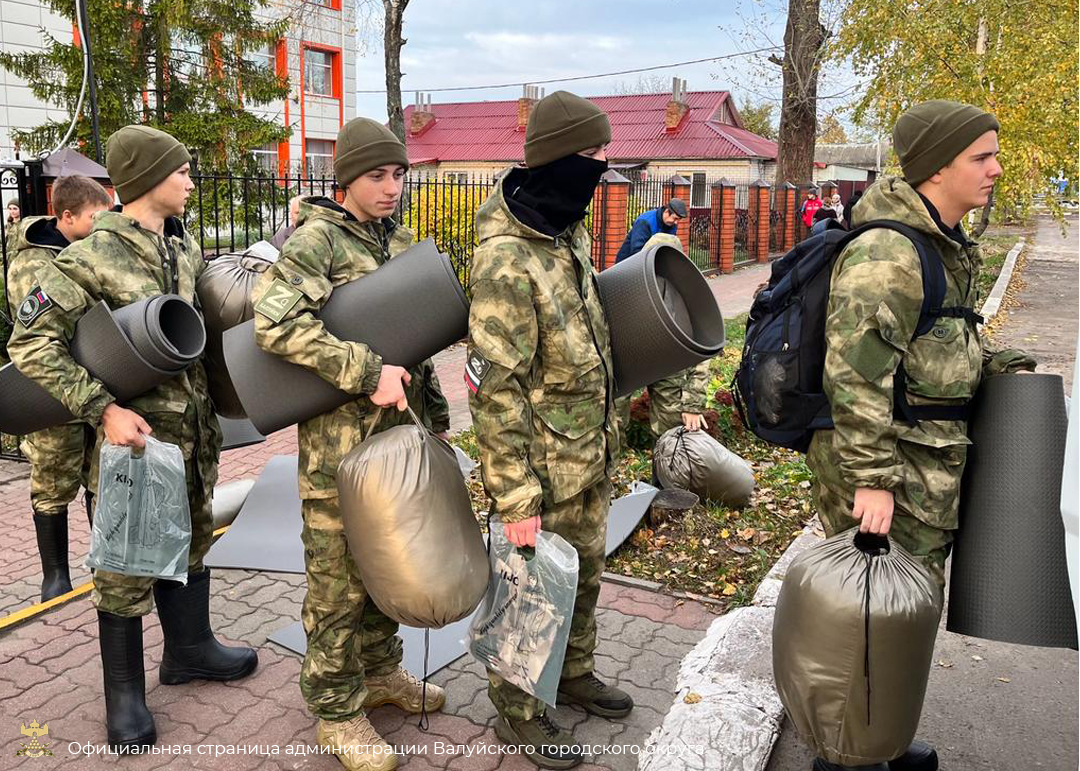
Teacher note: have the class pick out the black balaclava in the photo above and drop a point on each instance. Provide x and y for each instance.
(552, 197)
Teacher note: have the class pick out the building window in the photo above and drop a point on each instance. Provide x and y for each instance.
(699, 190)
(461, 177)
(319, 157)
(264, 58)
(333, 5)
(319, 71)
(266, 158)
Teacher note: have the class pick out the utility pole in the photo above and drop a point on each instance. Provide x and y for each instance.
(84, 25)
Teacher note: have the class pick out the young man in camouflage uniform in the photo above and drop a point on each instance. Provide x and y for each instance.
(540, 374)
(140, 252)
(875, 469)
(59, 456)
(353, 660)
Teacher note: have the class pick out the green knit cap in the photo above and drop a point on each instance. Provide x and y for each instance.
(363, 145)
(562, 124)
(139, 158)
(929, 135)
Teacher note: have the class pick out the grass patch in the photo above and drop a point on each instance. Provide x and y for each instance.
(713, 550)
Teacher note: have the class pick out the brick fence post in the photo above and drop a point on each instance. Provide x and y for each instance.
(610, 202)
(759, 204)
(789, 216)
(716, 224)
(679, 187)
(727, 225)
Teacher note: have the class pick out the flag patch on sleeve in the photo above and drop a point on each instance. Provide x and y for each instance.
(35, 304)
(476, 369)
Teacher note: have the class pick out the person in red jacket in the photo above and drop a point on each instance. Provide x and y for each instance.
(810, 207)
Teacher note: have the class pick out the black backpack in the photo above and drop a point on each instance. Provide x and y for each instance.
(778, 388)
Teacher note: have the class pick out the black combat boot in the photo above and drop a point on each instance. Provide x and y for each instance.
(596, 696)
(130, 724)
(52, 541)
(191, 650)
(920, 756)
(88, 502)
(824, 765)
(541, 741)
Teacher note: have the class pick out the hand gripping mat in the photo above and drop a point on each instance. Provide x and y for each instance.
(408, 310)
(662, 315)
(131, 350)
(1009, 577)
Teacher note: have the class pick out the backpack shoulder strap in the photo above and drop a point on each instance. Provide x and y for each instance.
(932, 268)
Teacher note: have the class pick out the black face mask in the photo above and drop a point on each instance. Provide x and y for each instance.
(559, 192)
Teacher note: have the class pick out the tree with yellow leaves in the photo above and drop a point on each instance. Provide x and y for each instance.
(1014, 58)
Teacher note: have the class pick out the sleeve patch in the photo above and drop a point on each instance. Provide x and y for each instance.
(278, 299)
(35, 304)
(476, 369)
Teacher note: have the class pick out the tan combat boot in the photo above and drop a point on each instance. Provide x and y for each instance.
(357, 745)
(404, 691)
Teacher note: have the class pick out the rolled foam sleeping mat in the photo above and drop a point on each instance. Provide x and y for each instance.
(408, 310)
(131, 350)
(662, 315)
(1010, 581)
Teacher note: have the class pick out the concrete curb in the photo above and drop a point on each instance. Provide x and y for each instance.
(997, 294)
(725, 701)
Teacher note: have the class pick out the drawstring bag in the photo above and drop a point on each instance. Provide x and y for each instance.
(853, 639)
(694, 461)
(142, 523)
(411, 528)
(520, 632)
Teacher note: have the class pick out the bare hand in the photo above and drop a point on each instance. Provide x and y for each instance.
(874, 510)
(522, 533)
(391, 389)
(694, 422)
(444, 435)
(123, 427)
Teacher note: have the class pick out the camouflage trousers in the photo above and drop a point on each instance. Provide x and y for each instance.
(928, 544)
(582, 521)
(133, 595)
(59, 465)
(665, 406)
(348, 637)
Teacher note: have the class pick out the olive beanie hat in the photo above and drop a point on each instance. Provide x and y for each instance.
(363, 145)
(138, 158)
(562, 124)
(929, 135)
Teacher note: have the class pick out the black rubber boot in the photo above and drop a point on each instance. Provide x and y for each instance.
(52, 541)
(88, 502)
(920, 756)
(191, 650)
(824, 765)
(130, 724)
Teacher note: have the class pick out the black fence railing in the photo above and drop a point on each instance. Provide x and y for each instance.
(11, 179)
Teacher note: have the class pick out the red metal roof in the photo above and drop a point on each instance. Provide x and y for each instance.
(487, 131)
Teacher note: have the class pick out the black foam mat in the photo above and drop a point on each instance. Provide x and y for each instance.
(238, 432)
(1009, 579)
(408, 310)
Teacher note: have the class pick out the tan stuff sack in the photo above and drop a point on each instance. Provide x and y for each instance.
(411, 528)
(224, 291)
(853, 639)
(694, 461)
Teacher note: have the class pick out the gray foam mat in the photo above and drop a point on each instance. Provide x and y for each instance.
(266, 533)
(626, 513)
(649, 300)
(103, 344)
(1009, 580)
(238, 433)
(445, 645)
(408, 310)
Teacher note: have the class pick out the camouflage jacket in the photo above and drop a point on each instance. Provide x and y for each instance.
(119, 262)
(539, 364)
(874, 306)
(329, 248)
(27, 251)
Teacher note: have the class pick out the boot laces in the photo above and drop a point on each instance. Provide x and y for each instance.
(544, 723)
(364, 732)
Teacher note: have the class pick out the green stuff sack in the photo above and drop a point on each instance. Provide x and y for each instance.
(853, 640)
(411, 528)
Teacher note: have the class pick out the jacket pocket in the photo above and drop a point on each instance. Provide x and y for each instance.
(942, 363)
(570, 363)
(574, 445)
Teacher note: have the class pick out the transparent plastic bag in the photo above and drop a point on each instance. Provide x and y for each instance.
(520, 631)
(142, 524)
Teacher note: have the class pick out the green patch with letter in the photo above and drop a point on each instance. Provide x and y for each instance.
(278, 300)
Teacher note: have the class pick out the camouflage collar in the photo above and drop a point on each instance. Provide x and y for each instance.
(494, 218)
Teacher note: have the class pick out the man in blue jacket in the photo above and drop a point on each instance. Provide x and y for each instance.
(662, 220)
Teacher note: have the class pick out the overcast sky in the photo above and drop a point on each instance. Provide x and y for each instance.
(476, 42)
